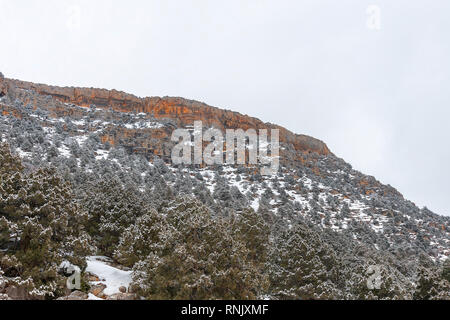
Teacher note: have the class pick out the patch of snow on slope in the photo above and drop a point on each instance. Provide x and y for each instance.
(23, 154)
(144, 125)
(113, 278)
(102, 154)
(81, 139)
(64, 151)
(79, 122)
(93, 297)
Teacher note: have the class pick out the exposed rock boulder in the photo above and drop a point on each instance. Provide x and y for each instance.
(76, 295)
(79, 294)
(97, 290)
(122, 296)
(17, 293)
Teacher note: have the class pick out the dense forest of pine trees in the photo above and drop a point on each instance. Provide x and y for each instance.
(181, 246)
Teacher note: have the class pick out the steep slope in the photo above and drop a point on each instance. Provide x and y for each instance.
(93, 134)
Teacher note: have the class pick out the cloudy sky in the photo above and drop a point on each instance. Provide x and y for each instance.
(370, 78)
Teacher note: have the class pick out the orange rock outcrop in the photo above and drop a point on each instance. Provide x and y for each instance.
(183, 111)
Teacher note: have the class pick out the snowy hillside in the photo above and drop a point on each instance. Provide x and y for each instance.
(316, 207)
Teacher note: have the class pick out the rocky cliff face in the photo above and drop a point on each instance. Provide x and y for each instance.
(183, 111)
(3, 85)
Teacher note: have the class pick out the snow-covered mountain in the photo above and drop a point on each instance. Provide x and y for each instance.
(316, 199)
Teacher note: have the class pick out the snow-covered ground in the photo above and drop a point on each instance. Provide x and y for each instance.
(93, 297)
(112, 277)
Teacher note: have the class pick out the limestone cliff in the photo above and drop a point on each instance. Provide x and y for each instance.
(184, 112)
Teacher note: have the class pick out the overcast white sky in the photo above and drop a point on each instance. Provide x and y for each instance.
(379, 98)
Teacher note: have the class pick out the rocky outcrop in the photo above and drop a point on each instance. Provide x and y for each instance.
(122, 296)
(17, 293)
(184, 112)
(11, 291)
(76, 295)
(3, 86)
(97, 290)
